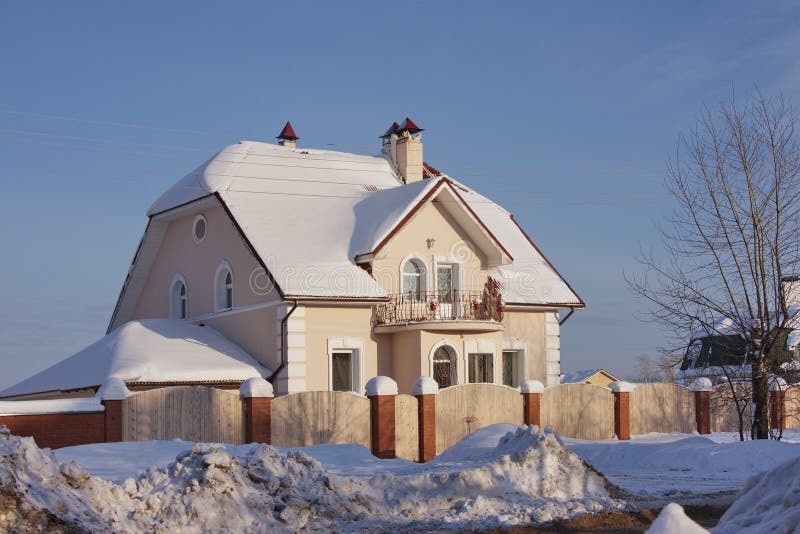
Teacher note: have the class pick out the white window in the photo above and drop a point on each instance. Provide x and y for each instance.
(177, 299)
(342, 370)
(481, 367)
(511, 368)
(199, 229)
(412, 280)
(223, 288)
(344, 364)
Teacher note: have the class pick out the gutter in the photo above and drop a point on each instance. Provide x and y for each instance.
(567, 316)
(284, 348)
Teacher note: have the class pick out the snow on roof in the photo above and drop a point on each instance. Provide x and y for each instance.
(150, 350)
(576, 377)
(309, 213)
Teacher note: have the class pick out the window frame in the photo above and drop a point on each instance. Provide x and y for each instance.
(221, 287)
(471, 379)
(199, 218)
(178, 304)
(354, 346)
(422, 267)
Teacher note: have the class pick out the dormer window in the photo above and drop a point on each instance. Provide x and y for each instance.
(223, 291)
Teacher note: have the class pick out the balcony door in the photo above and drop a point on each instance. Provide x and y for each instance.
(446, 289)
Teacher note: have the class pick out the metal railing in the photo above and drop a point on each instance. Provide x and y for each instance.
(452, 306)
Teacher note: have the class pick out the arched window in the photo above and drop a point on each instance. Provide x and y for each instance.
(444, 366)
(223, 290)
(413, 280)
(177, 306)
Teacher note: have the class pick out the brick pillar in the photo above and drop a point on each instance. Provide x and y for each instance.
(112, 395)
(622, 409)
(532, 401)
(702, 404)
(425, 390)
(257, 394)
(382, 393)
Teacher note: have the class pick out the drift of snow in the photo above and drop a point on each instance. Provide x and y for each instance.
(673, 520)
(528, 478)
(769, 502)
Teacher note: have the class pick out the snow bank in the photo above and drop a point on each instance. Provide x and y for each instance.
(528, 477)
(769, 502)
(673, 520)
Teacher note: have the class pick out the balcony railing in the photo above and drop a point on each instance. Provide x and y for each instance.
(452, 306)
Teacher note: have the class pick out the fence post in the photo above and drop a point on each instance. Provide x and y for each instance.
(257, 395)
(425, 390)
(112, 394)
(382, 393)
(622, 408)
(702, 404)
(532, 401)
(777, 403)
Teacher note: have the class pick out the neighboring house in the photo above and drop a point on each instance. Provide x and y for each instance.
(330, 268)
(598, 377)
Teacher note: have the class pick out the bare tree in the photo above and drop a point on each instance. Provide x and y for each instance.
(734, 235)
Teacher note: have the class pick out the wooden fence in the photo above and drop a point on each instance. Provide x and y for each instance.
(191, 413)
(582, 411)
(662, 408)
(460, 410)
(724, 416)
(407, 427)
(315, 417)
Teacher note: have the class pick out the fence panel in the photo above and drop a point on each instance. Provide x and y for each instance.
(724, 415)
(662, 408)
(406, 423)
(460, 410)
(317, 417)
(581, 411)
(792, 407)
(192, 413)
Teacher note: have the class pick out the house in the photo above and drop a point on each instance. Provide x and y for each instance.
(598, 377)
(328, 268)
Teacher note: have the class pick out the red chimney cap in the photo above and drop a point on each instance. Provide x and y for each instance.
(409, 126)
(288, 133)
(392, 129)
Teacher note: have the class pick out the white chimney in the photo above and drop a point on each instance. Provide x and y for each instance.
(403, 143)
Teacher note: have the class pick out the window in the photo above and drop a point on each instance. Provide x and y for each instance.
(199, 228)
(223, 294)
(343, 370)
(178, 308)
(444, 367)
(481, 368)
(412, 274)
(510, 369)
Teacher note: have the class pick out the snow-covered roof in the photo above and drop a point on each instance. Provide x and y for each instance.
(576, 377)
(148, 351)
(308, 214)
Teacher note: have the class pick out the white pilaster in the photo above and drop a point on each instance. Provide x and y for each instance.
(552, 358)
(292, 378)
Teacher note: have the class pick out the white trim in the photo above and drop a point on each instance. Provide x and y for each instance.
(234, 311)
(423, 276)
(336, 344)
(457, 359)
(172, 311)
(199, 217)
(223, 266)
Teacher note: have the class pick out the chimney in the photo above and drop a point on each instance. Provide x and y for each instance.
(403, 143)
(287, 136)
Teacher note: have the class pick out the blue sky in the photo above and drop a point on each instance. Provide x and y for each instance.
(564, 113)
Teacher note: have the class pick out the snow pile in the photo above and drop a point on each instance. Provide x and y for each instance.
(769, 502)
(528, 478)
(673, 520)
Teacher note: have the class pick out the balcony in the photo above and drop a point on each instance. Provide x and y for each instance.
(456, 310)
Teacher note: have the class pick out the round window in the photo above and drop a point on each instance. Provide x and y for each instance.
(199, 229)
